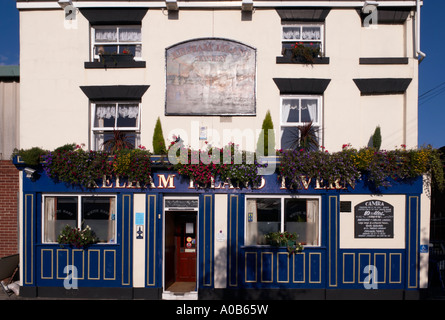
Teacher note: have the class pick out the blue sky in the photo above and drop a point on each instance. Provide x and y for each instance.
(432, 69)
(9, 34)
(432, 75)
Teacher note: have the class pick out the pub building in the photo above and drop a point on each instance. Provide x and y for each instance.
(205, 69)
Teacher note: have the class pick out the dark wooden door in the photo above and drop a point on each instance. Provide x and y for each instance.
(186, 257)
(186, 248)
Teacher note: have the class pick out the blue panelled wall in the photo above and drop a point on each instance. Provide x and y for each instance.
(324, 271)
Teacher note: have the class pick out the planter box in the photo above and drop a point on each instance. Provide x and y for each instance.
(116, 58)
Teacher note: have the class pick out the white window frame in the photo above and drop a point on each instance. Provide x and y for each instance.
(301, 26)
(318, 123)
(98, 130)
(79, 212)
(95, 56)
(282, 198)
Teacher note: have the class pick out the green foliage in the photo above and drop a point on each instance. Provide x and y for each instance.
(30, 156)
(67, 147)
(377, 138)
(263, 139)
(158, 139)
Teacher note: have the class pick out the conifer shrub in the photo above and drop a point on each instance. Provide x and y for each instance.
(263, 139)
(158, 139)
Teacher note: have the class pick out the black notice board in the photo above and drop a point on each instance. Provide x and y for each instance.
(374, 219)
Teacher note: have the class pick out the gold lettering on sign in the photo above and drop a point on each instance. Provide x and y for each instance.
(166, 183)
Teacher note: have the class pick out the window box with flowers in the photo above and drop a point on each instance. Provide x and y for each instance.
(124, 59)
(115, 58)
(78, 238)
(305, 53)
(284, 239)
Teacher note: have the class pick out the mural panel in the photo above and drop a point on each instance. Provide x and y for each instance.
(210, 77)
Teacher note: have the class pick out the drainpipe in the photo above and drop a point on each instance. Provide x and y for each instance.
(420, 54)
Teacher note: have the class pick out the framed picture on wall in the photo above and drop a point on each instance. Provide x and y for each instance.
(210, 77)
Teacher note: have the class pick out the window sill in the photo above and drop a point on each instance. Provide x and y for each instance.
(374, 61)
(267, 246)
(112, 65)
(288, 60)
(73, 247)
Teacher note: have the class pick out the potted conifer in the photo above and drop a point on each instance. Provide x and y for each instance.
(159, 149)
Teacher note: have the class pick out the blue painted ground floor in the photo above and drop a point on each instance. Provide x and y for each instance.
(177, 241)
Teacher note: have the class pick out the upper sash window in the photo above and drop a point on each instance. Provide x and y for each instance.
(308, 35)
(116, 40)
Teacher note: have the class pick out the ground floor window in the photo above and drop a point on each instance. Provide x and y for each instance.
(281, 213)
(97, 212)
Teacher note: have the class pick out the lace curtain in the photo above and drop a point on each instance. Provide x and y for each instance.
(292, 112)
(118, 35)
(124, 111)
(291, 33)
(128, 111)
(302, 33)
(130, 35)
(106, 112)
(311, 33)
(106, 35)
(112, 115)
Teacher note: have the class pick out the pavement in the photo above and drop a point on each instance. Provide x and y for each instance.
(436, 294)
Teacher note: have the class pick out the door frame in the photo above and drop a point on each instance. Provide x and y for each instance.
(165, 210)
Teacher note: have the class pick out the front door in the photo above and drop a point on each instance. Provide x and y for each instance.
(180, 251)
(186, 247)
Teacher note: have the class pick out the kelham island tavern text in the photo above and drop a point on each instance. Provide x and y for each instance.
(309, 81)
(169, 182)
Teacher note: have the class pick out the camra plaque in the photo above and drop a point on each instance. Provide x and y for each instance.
(374, 219)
